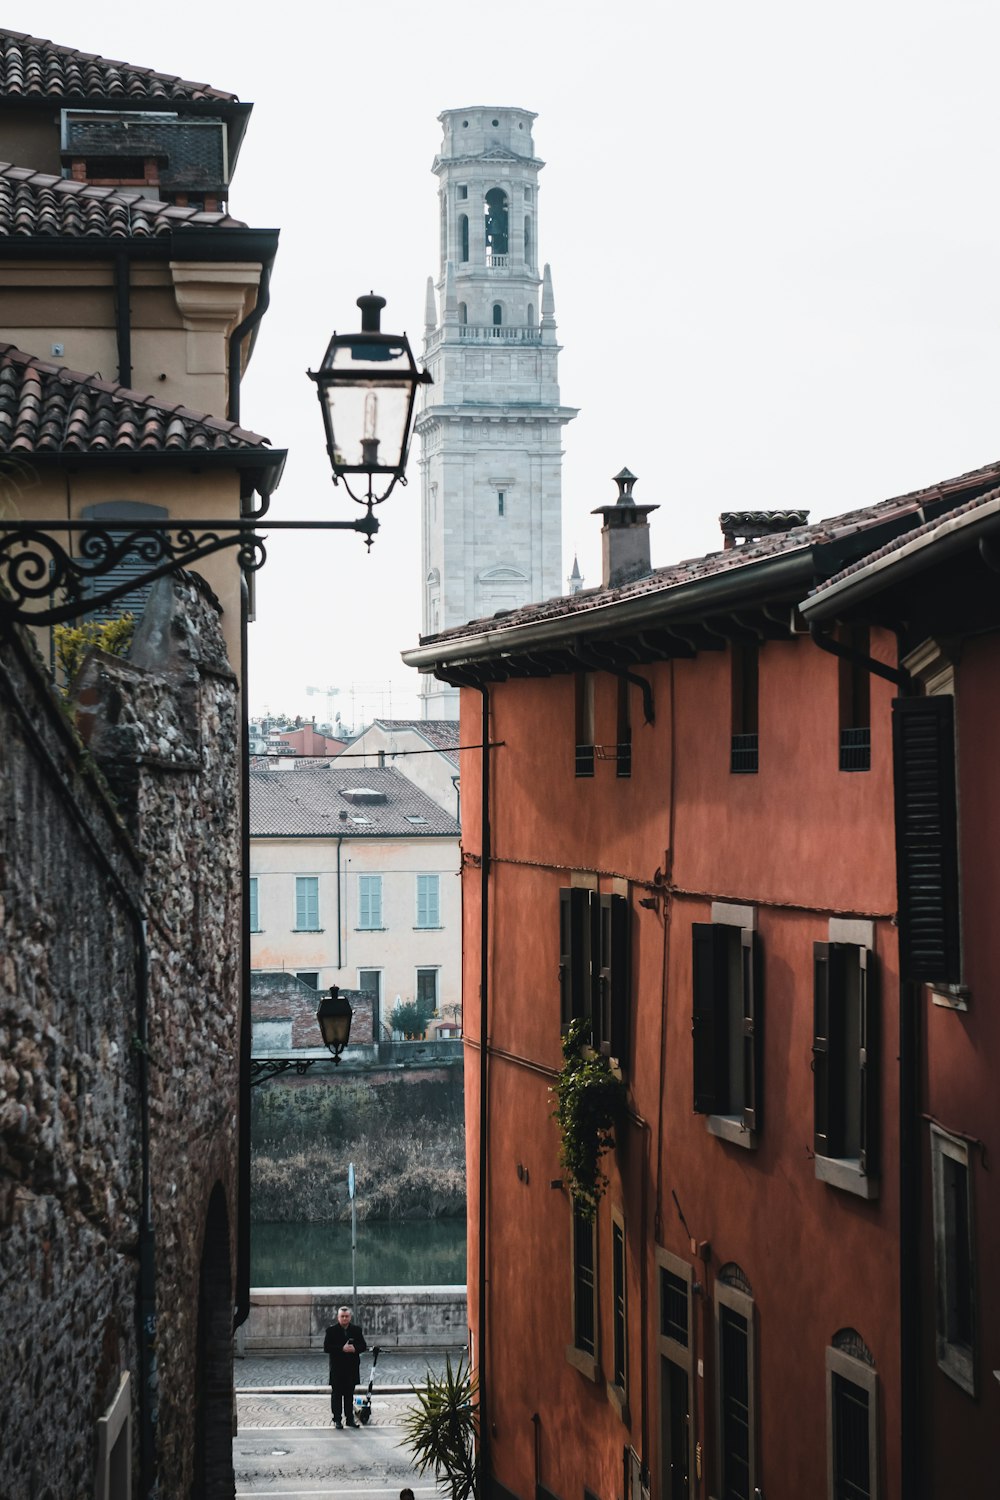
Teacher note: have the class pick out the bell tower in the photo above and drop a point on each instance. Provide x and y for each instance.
(491, 424)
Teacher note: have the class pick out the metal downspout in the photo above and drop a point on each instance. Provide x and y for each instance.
(340, 914)
(236, 338)
(242, 1301)
(123, 318)
(484, 1117)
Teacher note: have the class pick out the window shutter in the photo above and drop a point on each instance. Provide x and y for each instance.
(753, 1030)
(574, 953)
(828, 993)
(923, 734)
(870, 1063)
(621, 981)
(708, 1028)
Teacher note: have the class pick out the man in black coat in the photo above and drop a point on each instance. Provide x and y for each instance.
(345, 1344)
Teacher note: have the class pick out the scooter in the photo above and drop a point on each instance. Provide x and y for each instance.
(363, 1404)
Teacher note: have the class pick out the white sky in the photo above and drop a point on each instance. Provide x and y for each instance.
(773, 232)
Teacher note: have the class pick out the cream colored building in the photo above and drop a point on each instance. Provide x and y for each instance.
(425, 750)
(355, 882)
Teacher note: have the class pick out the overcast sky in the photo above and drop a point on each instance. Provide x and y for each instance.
(773, 233)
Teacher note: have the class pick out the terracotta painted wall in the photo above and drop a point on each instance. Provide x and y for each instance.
(800, 840)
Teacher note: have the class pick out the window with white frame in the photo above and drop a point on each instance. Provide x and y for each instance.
(676, 1384)
(254, 905)
(428, 901)
(954, 1259)
(618, 1391)
(845, 1061)
(727, 1022)
(735, 1385)
(427, 990)
(370, 983)
(370, 901)
(582, 1353)
(851, 1419)
(307, 903)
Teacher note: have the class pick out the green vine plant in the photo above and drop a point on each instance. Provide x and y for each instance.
(72, 642)
(442, 1429)
(590, 1099)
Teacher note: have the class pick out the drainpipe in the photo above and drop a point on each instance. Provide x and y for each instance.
(242, 1300)
(340, 921)
(237, 336)
(123, 318)
(484, 1118)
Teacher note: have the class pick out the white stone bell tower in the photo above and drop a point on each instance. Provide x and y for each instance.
(491, 424)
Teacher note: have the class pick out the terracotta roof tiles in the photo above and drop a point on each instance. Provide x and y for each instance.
(45, 408)
(33, 68)
(36, 203)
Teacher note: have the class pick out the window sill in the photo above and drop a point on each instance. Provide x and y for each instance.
(950, 996)
(308, 929)
(956, 1361)
(618, 1399)
(580, 1360)
(845, 1172)
(371, 929)
(732, 1129)
(436, 928)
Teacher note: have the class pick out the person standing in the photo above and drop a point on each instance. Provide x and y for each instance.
(345, 1344)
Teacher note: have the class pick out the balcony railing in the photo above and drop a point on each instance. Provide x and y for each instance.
(497, 262)
(474, 333)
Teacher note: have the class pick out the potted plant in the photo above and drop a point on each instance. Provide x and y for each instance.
(408, 1018)
(590, 1099)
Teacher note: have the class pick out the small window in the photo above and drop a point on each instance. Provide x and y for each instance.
(307, 903)
(851, 1421)
(428, 901)
(727, 1026)
(735, 1385)
(954, 1259)
(855, 701)
(370, 902)
(744, 749)
(527, 195)
(132, 514)
(623, 747)
(619, 1309)
(845, 1066)
(674, 1344)
(463, 190)
(254, 905)
(594, 958)
(584, 700)
(501, 502)
(370, 983)
(497, 315)
(584, 1284)
(531, 315)
(427, 990)
(463, 315)
(930, 936)
(309, 977)
(463, 237)
(528, 248)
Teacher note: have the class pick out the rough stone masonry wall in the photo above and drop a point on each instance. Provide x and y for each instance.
(69, 1165)
(164, 727)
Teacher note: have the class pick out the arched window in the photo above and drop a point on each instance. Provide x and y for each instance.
(497, 220)
(531, 315)
(497, 315)
(528, 253)
(463, 313)
(463, 236)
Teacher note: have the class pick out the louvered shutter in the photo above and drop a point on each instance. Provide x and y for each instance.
(574, 953)
(753, 1030)
(869, 1062)
(827, 1048)
(923, 731)
(708, 1021)
(611, 1000)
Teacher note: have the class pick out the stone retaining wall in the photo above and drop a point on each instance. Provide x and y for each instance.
(294, 1319)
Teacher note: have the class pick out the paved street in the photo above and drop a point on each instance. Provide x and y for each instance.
(287, 1446)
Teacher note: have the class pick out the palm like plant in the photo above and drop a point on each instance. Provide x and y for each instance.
(442, 1428)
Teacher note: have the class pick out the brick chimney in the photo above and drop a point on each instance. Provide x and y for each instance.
(624, 536)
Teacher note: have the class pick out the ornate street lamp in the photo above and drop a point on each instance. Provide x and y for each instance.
(334, 1017)
(367, 387)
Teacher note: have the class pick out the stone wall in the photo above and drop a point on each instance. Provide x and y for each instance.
(412, 1317)
(161, 814)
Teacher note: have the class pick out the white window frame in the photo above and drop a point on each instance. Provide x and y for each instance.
(255, 904)
(369, 886)
(114, 1446)
(738, 1302)
(434, 969)
(958, 1361)
(673, 1352)
(431, 907)
(303, 907)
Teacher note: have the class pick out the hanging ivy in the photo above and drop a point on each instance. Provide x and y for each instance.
(590, 1098)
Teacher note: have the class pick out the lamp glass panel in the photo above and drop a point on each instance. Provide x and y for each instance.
(368, 422)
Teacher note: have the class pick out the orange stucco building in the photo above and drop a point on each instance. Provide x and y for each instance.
(683, 831)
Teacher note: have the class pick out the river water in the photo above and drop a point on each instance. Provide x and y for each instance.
(422, 1252)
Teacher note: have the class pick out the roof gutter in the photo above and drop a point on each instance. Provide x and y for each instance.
(785, 573)
(950, 536)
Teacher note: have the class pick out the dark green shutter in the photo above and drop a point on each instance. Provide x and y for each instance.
(753, 1030)
(923, 736)
(575, 953)
(870, 1063)
(827, 1048)
(710, 978)
(614, 977)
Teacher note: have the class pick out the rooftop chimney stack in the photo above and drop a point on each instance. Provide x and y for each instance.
(624, 536)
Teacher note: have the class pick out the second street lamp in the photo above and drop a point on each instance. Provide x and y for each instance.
(334, 1016)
